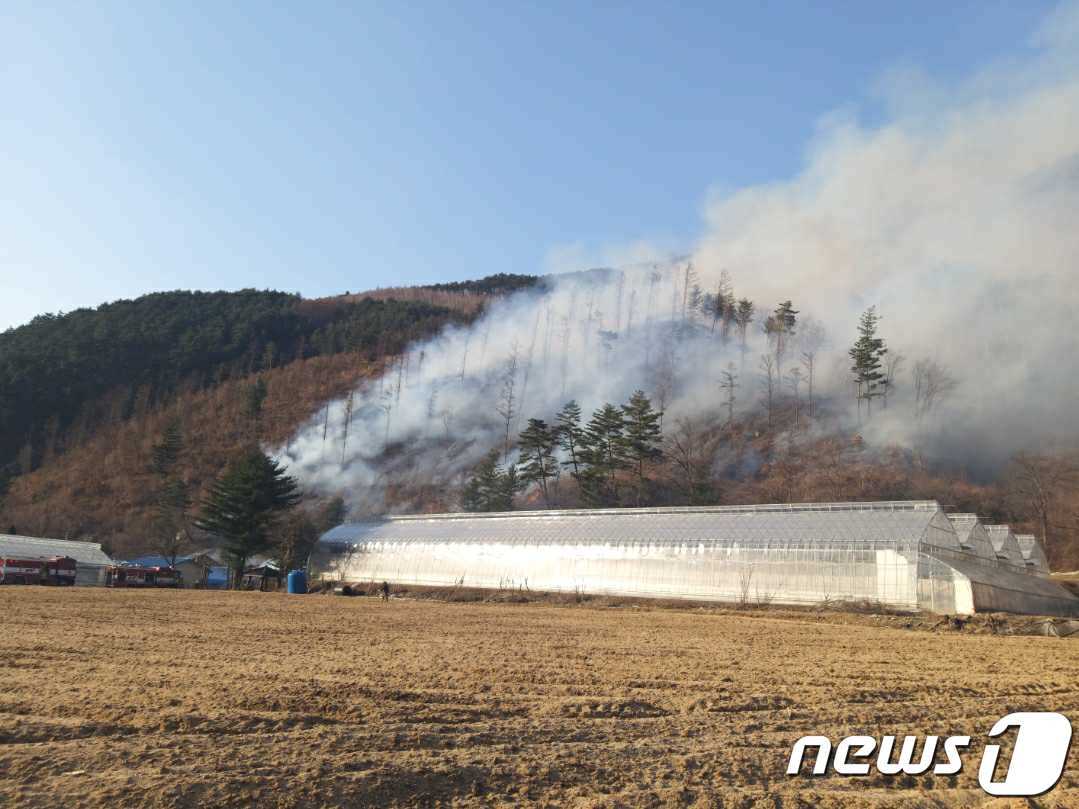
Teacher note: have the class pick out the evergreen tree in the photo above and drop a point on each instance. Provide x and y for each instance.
(743, 316)
(245, 503)
(537, 445)
(642, 436)
(254, 399)
(490, 488)
(570, 435)
(171, 501)
(166, 452)
(510, 485)
(695, 298)
(170, 519)
(720, 306)
(604, 455)
(780, 328)
(867, 354)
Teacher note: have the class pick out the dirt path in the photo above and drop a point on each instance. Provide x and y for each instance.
(237, 699)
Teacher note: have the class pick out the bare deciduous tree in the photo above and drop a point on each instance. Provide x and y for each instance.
(794, 382)
(728, 382)
(932, 385)
(346, 423)
(893, 362)
(768, 381)
(1040, 483)
(664, 378)
(688, 282)
(690, 449)
(506, 407)
(812, 339)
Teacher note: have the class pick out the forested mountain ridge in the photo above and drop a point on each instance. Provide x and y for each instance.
(88, 396)
(84, 394)
(62, 376)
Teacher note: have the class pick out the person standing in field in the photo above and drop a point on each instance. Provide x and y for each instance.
(385, 591)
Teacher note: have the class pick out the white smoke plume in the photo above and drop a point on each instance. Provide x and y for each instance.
(958, 219)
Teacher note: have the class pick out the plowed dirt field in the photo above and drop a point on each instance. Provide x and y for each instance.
(185, 698)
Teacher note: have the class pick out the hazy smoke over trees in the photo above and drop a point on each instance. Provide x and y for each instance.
(956, 219)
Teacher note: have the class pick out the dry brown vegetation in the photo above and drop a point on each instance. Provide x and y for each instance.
(468, 303)
(186, 698)
(104, 488)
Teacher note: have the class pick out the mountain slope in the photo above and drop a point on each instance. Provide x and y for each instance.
(64, 376)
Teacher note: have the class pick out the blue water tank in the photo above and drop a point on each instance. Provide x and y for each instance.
(297, 582)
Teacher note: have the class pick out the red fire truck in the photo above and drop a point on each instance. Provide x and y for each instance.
(20, 571)
(55, 570)
(60, 570)
(132, 576)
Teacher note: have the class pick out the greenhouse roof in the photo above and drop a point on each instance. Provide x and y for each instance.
(1004, 542)
(1032, 551)
(964, 525)
(823, 523)
(971, 535)
(86, 553)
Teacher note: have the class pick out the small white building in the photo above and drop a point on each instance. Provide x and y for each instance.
(90, 560)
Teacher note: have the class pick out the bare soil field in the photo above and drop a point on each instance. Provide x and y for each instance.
(186, 698)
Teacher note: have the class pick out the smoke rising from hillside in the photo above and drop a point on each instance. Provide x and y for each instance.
(956, 218)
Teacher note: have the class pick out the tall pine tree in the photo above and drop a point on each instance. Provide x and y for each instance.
(490, 488)
(570, 435)
(604, 455)
(245, 503)
(867, 354)
(780, 330)
(171, 500)
(166, 452)
(642, 436)
(538, 465)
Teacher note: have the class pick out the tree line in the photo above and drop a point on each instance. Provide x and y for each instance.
(55, 369)
(249, 509)
(609, 457)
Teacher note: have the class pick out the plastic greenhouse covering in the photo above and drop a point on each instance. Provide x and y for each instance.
(1032, 552)
(1005, 544)
(904, 555)
(972, 535)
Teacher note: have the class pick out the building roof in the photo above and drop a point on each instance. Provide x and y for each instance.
(1004, 543)
(972, 535)
(86, 553)
(156, 560)
(1032, 552)
(806, 524)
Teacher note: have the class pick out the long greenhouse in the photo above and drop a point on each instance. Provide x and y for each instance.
(903, 555)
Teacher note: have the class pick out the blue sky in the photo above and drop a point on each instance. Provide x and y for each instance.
(317, 148)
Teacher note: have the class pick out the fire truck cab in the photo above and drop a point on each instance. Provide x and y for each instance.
(60, 570)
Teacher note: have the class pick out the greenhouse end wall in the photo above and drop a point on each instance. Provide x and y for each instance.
(898, 555)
